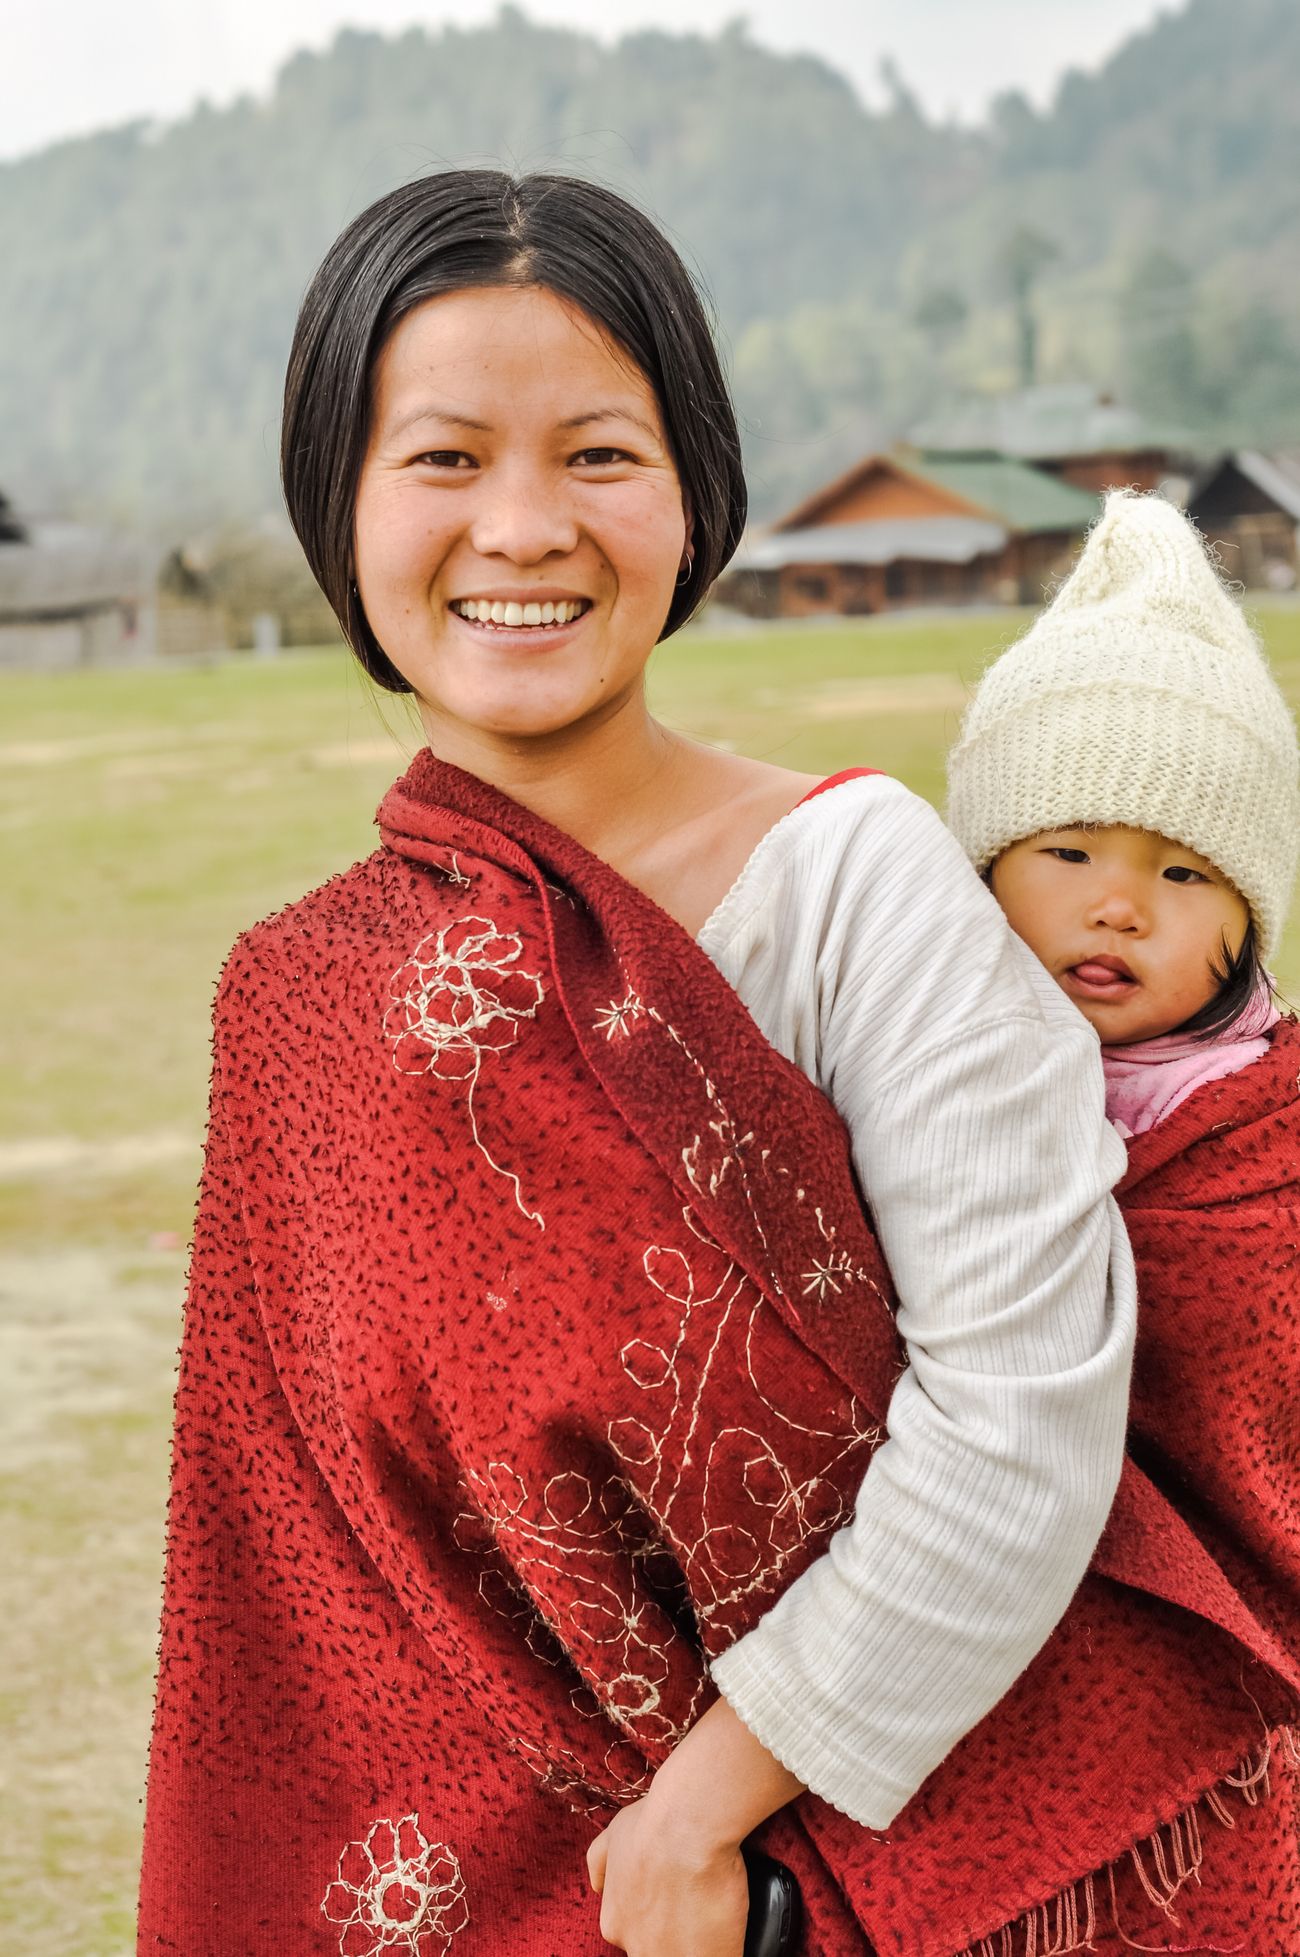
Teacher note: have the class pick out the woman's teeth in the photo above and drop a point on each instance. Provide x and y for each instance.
(495, 611)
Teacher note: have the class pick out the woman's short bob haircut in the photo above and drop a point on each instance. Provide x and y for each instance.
(465, 228)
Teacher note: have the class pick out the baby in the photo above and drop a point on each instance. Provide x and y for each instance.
(1127, 780)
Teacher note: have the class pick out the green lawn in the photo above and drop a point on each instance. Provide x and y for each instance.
(147, 817)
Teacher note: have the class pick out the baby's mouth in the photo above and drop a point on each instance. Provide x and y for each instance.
(1102, 978)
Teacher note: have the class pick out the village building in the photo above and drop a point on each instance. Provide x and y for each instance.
(77, 594)
(72, 595)
(1248, 507)
(914, 528)
(1072, 430)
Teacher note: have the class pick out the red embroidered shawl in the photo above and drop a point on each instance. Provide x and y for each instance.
(536, 1339)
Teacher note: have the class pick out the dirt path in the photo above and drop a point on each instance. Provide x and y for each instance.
(902, 693)
(87, 1357)
(48, 1155)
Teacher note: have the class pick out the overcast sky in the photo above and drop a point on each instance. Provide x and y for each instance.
(69, 66)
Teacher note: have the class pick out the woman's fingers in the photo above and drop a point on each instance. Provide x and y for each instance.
(665, 1893)
(597, 1856)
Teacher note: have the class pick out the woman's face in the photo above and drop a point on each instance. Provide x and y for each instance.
(519, 521)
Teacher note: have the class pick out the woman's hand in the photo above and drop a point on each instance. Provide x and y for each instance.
(665, 1891)
(669, 1870)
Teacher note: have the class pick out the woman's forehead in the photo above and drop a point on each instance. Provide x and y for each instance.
(483, 353)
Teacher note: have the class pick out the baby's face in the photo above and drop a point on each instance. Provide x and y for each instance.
(1129, 924)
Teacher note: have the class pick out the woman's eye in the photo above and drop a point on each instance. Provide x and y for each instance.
(447, 458)
(1067, 855)
(597, 458)
(1184, 873)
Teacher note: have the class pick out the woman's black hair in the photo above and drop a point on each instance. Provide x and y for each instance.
(1240, 975)
(465, 228)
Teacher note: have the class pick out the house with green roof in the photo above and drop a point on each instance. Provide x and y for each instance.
(914, 528)
(1072, 430)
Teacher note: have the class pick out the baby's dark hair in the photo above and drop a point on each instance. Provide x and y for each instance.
(1240, 975)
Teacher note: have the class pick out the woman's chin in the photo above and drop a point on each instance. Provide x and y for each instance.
(515, 719)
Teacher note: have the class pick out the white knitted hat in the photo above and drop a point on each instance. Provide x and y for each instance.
(1139, 697)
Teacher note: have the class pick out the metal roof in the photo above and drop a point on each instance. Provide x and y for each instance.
(1278, 475)
(1064, 418)
(994, 488)
(64, 570)
(924, 539)
(1022, 497)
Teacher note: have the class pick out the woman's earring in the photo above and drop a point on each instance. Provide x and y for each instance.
(684, 574)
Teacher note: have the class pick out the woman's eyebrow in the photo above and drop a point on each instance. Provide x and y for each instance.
(611, 414)
(432, 412)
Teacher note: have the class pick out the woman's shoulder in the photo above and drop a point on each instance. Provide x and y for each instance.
(347, 906)
(859, 837)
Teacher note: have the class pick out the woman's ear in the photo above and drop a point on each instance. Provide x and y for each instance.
(688, 542)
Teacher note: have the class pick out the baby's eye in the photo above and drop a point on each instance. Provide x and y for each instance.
(1184, 873)
(1068, 855)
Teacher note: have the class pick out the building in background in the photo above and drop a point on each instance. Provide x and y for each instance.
(914, 528)
(1073, 431)
(1248, 506)
(73, 595)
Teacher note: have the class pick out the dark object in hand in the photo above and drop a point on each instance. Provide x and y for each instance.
(774, 1907)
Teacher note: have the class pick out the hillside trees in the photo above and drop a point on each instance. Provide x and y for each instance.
(149, 277)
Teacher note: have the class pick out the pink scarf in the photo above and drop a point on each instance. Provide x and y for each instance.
(1148, 1080)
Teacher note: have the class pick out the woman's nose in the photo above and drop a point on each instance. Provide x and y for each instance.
(523, 515)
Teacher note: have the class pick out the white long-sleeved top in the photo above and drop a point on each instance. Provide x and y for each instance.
(869, 953)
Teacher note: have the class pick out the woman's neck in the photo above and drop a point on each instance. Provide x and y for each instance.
(677, 819)
(604, 781)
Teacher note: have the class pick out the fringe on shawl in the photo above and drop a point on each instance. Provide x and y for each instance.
(1165, 1862)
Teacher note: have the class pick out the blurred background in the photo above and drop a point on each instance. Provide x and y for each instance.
(970, 266)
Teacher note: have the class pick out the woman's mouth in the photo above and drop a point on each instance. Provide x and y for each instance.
(1101, 978)
(515, 615)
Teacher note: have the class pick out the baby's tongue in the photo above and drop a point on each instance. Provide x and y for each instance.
(1093, 973)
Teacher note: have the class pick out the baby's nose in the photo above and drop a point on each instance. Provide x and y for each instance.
(1119, 909)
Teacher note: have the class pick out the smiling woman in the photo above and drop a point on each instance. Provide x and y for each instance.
(463, 510)
(630, 369)
(540, 1336)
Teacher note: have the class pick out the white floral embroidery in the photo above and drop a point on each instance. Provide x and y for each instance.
(397, 1892)
(460, 995)
(568, 1533)
(724, 1501)
(619, 1016)
(836, 1269)
(725, 1562)
(826, 1275)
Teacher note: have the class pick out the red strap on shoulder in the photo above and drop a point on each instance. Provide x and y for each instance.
(833, 781)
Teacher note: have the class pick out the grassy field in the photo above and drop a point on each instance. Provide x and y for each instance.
(147, 817)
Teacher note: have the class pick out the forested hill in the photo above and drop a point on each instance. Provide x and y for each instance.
(864, 265)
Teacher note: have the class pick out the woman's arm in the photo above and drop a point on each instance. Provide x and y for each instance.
(872, 956)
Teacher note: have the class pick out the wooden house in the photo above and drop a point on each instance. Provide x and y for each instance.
(913, 528)
(72, 595)
(1248, 506)
(75, 594)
